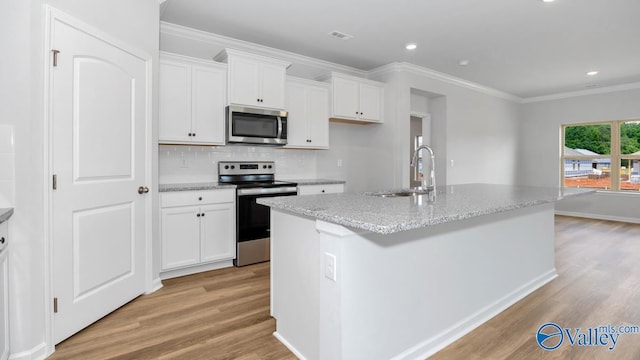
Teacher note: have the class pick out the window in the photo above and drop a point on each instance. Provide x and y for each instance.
(603, 156)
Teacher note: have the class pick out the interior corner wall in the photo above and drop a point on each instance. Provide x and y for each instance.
(540, 144)
(23, 22)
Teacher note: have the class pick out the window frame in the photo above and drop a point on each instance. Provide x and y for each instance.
(616, 156)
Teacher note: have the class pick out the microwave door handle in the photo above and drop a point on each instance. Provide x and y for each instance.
(279, 128)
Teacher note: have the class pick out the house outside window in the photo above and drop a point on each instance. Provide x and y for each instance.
(603, 155)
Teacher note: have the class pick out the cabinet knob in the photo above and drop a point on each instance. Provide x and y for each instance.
(323, 190)
(198, 214)
(190, 134)
(194, 134)
(2, 240)
(200, 198)
(202, 214)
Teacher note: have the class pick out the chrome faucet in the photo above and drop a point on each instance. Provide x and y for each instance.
(428, 187)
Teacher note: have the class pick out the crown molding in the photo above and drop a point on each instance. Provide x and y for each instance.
(571, 94)
(436, 75)
(228, 42)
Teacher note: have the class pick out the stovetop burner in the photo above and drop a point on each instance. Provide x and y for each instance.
(257, 174)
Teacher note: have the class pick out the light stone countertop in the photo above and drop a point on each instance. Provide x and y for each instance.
(390, 215)
(303, 182)
(193, 186)
(5, 214)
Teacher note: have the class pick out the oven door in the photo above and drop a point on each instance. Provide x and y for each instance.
(254, 223)
(256, 126)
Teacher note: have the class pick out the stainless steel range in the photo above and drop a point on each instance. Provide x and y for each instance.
(253, 180)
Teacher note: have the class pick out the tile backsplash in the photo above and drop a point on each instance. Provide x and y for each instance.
(183, 163)
(7, 166)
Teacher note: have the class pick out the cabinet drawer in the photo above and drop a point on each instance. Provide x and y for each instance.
(189, 198)
(320, 189)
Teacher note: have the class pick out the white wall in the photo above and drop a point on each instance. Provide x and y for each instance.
(202, 162)
(540, 145)
(135, 22)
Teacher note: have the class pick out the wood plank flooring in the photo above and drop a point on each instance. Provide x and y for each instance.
(224, 314)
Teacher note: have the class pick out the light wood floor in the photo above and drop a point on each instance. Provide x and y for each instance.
(224, 314)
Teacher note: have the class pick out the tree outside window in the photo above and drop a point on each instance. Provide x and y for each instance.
(603, 155)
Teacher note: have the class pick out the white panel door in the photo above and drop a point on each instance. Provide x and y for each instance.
(99, 115)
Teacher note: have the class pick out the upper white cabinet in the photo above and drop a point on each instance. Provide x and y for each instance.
(192, 101)
(356, 99)
(308, 120)
(254, 80)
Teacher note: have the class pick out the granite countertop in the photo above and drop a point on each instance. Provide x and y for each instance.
(193, 186)
(390, 215)
(302, 182)
(5, 214)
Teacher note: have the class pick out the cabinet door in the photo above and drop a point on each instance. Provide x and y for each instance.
(345, 98)
(218, 232)
(244, 81)
(318, 117)
(297, 132)
(174, 102)
(208, 104)
(272, 81)
(180, 237)
(370, 102)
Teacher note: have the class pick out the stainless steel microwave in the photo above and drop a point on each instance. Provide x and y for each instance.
(256, 126)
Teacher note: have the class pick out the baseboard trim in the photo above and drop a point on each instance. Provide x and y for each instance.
(439, 342)
(195, 269)
(156, 285)
(37, 352)
(598, 216)
(288, 345)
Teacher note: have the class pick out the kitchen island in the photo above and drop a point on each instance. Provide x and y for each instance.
(361, 276)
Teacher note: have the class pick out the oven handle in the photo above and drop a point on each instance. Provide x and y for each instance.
(265, 191)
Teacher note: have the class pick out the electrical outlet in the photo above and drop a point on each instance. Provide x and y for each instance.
(330, 266)
(451, 162)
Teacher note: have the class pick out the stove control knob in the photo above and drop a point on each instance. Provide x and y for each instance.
(233, 167)
(270, 166)
(226, 167)
(264, 166)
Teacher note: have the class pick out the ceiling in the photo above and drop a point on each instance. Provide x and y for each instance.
(527, 48)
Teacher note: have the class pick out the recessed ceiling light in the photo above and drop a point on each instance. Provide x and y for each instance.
(464, 62)
(411, 46)
(340, 35)
(548, 0)
(592, 73)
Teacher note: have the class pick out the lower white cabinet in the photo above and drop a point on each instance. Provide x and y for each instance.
(320, 189)
(4, 299)
(197, 227)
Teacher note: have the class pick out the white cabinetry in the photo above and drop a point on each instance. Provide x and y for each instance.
(254, 80)
(4, 287)
(192, 101)
(356, 99)
(308, 119)
(197, 228)
(320, 189)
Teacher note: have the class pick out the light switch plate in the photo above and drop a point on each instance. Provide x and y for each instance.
(330, 266)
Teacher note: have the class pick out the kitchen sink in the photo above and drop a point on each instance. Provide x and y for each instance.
(403, 193)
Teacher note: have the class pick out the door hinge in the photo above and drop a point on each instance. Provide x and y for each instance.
(54, 182)
(55, 305)
(55, 56)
